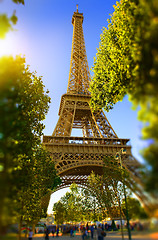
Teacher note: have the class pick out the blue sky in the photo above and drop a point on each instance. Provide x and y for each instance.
(43, 35)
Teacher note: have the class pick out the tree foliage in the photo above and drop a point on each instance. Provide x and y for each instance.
(108, 193)
(75, 206)
(90, 209)
(59, 210)
(71, 205)
(33, 195)
(6, 23)
(96, 202)
(102, 197)
(27, 173)
(19, 1)
(110, 188)
(127, 63)
(135, 210)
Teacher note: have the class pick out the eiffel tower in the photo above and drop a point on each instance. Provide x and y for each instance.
(76, 157)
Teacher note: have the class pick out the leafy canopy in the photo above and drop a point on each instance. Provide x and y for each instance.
(27, 172)
(6, 23)
(127, 63)
(76, 206)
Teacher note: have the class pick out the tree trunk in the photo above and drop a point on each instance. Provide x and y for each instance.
(26, 231)
(33, 228)
(20, 225)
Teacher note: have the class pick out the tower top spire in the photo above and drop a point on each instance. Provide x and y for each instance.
(77, 7)
(79, 75)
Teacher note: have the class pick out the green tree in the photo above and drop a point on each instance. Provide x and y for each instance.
(126, 63)
(33, 197)
(26, 170)
(6, 23)
(90, 210)
(135, 210)
(111, 187)
(77, 205)
(72, 203)
(60, 212)
(108, 193)
(91, 204)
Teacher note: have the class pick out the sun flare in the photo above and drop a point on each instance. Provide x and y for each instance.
(8, 46)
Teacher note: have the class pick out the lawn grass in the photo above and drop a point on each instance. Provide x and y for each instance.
(9, 237)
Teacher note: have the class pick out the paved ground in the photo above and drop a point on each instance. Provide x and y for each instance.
(110, 236)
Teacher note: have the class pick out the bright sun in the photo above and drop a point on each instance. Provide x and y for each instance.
(9, 46)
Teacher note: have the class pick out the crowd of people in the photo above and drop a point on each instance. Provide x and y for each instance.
(93, 229)
(86, 231)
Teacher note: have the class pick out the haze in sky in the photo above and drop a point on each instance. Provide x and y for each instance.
(43, 35)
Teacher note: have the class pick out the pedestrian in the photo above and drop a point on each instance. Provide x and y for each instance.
(74, 230)
(87, 227)
(57, 234)
(30, 234)
(47, 234)
(102, 227)
(53, 232)
(71, 232)
(92, 231)
(101, 234)
(84, 233)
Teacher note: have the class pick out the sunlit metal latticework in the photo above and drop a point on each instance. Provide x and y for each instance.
(76, 157)
(79, 76)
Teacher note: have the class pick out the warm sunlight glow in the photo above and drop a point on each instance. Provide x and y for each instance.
(9, 46)
(6, 47)
(55, 197)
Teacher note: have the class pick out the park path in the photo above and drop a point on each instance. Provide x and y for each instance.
(110, 236)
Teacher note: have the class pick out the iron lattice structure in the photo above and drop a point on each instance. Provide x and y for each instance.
(76, 157)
